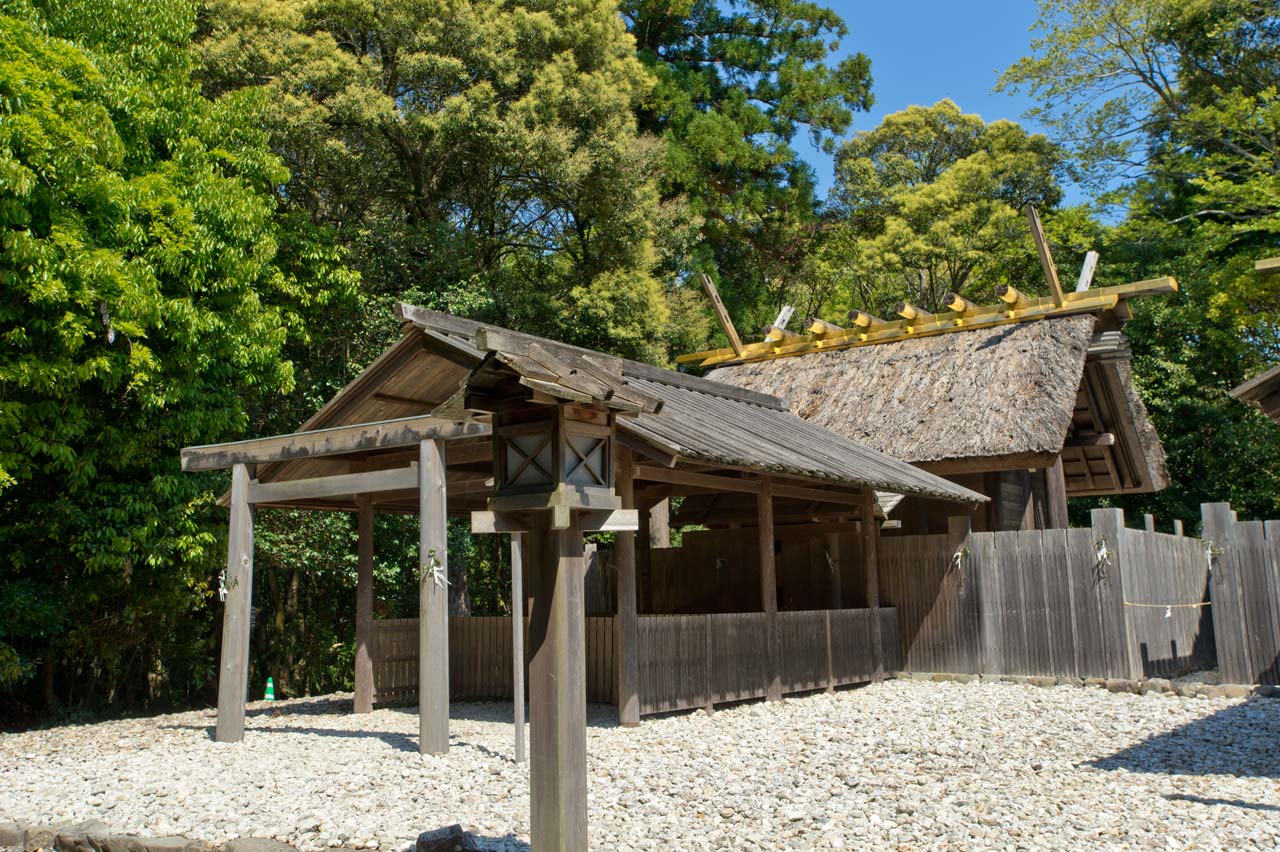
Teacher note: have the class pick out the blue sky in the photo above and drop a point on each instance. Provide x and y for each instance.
(925, 50)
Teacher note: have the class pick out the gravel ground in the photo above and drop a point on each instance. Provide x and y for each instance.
(898, 766)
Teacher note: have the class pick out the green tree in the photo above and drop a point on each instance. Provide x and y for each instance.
(150, 291)
(1174, 105)
(481, 157)
(929, 202)
(735, 83)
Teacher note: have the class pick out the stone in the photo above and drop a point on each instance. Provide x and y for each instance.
(12, 833)
(1121, 686)
(1209, 690)
(121, 843)
(1042, 682)
(1095, 682)
(944, 677)
(966, 678)
(1236, 690)
(82, 837)
(1070, 681)
(1187, 690)
(256, 844)
(1156, 686)
(1267, 690)
(448, 839)
(167, 844)
(37, 837)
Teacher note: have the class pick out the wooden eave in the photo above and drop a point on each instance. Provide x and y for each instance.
(1262, 392)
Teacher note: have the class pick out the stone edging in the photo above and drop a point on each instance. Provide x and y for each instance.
(1147, 686)
(94, 836)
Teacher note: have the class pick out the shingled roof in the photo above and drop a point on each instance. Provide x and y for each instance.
(706, 421)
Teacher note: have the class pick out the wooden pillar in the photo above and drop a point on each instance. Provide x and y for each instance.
(644, 560)
(1149, 522)
(871, 565)
(364, 607)
(233, 671)
(835, 594)
(1177, 527)
(660, 524)
(558, 695)
(1055, 487)
(769, 585)
(517, 643)
(433, 603)
(627, 642)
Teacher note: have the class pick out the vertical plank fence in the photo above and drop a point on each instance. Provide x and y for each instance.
(480, 664)
(1246, 594)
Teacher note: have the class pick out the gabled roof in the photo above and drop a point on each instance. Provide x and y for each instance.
(1262, 392)
(1011, 395)
(699, 420)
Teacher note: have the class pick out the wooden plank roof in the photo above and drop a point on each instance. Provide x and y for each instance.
(1262, 392)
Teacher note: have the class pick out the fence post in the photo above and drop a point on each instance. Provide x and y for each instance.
(1149, 522)
(1122, 655)
(1177, 528)
(1219, 535)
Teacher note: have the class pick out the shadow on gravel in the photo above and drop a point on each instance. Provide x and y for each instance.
(1233, 803)
(506, 843)
(1237, 740)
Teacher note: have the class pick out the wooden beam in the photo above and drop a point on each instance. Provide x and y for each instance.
(233, 669)
(513, 521)
(741, 485)
(1013, 461)
(433, 603)
(912, 314)
(627, 642)
(871, 565)
(339, 440)
(1267, 266)
(1087, 270)
(775, 334)
(835, 594)
(959, 304)
(822, 327)
(517, 643)
(722, 313)
(341, 485)
(364, 606)
(1046, 256)
(1012, 297)
(784, 317)
(1106, 439)
(864, 320)
(1055, 487)
(769, 586)
(558, 696)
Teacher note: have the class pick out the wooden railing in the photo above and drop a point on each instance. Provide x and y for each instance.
(479, 658)
(689, 661)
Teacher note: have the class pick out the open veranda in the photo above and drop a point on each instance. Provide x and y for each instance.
(895, 765)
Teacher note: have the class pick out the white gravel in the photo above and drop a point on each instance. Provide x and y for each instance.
(898, 766)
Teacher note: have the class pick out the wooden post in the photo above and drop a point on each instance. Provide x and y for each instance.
(769, 585)
(871, 564)
(364, 606)
(835, 595)
(1055, 490)
(644, 561)
(558, 695)
(517, 643)
(1149, 522)
(433, 603)
(1046, 256)
(1177, 527)
(233, 671)
(627, 643)
(1123, 658)
(1230, 624)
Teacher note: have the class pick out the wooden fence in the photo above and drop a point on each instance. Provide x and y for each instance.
(1099, 602)
(691, 661)
(479, 658)
(685, 660)
(1246, 594)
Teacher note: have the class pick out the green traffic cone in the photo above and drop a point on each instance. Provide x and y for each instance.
(271, 691)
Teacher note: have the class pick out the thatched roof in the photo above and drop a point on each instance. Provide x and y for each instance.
(1015, 393)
